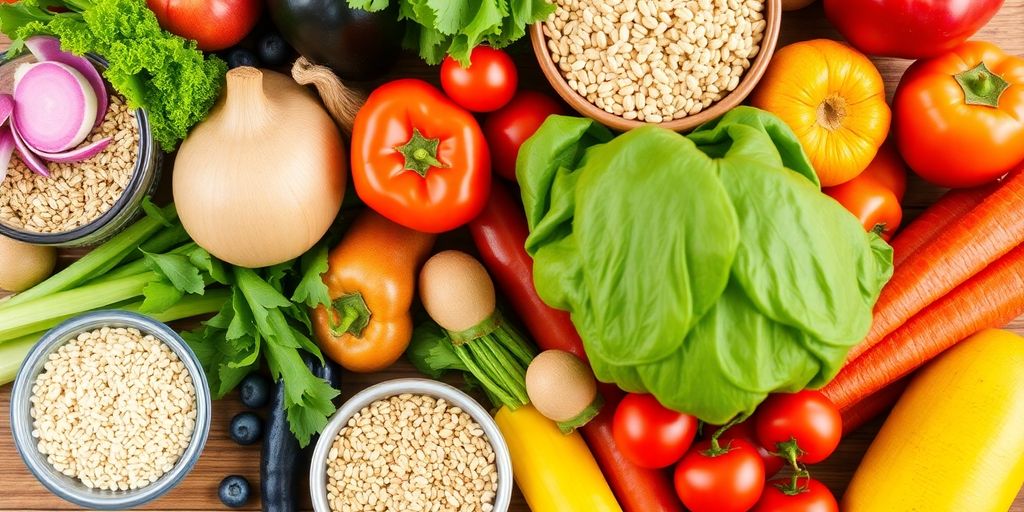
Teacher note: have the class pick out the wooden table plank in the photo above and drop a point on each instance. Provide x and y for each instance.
(198, 492)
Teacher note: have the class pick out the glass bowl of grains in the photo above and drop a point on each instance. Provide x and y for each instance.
(674, 63)
(411, 444)
(87, 202)
(110, 410)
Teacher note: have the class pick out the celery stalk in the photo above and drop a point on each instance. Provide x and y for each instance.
(97, 261)
(60, 304)
(139, 266)
(14, 351)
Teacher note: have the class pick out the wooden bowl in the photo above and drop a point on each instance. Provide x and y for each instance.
(773, 17)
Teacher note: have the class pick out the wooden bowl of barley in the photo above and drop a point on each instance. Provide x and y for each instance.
(674, 63)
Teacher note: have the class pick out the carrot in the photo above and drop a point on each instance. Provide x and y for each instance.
(874, 405)
(992, 298)
(963, 249)
(950, 207)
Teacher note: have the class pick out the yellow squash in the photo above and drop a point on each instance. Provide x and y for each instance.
(555, 472)
(955, 441)
(834, 100)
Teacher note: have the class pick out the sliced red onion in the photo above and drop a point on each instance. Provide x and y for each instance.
(75, 155)
(46, 48)
(6, 150)
(6, 107)
(54, 105)
(31, 160)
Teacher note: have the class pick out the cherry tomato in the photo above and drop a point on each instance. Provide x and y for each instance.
(648, 434)
(214, 24)
(730, 481)
(809, 496)
(486, 85)
(874, 205)
(888, 169)
(805, 424)
(745, 431)
(508, 127)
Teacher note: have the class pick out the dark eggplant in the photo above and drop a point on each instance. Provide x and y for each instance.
(281, 459)
(356, 44)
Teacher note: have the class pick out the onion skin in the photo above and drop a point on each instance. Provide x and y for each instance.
(262, 178)
(75, 155)
(22, 266)
(28, 156)
(48, 48)
(7, 147)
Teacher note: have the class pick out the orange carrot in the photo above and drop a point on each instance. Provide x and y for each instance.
(871, 406)
(992, 298)
(939, 216)
(965, 247)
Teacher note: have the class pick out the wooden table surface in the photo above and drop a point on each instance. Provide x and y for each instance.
(20, 491)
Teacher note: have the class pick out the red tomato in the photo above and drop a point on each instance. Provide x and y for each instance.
(874, 205)
(810, 496)
(648, 434)
(888, 170)
(486, 85)
(730, 481)
(508, 127)
(806, 419)
(745, 431)
(214, 24)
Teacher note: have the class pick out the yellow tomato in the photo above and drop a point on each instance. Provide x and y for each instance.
(834, 100)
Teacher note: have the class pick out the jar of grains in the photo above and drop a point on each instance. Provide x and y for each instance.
(81, 203)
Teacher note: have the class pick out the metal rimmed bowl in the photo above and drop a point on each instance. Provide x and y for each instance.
(773, 18)
(144, 180)
(71, 489)
(502, 459)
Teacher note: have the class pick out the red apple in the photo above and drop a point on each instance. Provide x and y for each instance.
(214, 24)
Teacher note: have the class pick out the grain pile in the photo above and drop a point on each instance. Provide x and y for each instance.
(77, 193)
(654, 60)
(114, 409)
(411, 453)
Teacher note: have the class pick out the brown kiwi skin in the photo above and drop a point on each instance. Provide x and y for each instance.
(456, 290)
(560, 385)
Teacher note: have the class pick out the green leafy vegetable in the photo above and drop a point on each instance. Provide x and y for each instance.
(708, 270)
(160, 72)
(455, 27)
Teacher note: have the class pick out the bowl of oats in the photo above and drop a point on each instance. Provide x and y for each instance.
(80, 201)
(674, 63)
(411, 444)
(110, 410)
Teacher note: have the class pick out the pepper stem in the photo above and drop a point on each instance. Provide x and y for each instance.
(981, 86)
(349, 314)
(420, 153)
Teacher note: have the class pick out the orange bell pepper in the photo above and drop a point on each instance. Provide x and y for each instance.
(371, 278)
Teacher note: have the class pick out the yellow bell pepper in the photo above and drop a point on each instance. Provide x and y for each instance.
(955, 441)
(555, 472)
(833, 98)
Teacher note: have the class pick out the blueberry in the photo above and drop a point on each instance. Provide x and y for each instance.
(255, 391)
(273, 50)
(234, 491)
(241, 57)
(246, 428)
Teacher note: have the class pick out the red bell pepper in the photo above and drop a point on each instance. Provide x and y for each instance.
(499, 233)
(418, 158)
(910, 29)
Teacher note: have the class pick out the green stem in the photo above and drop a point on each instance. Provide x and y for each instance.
(511, 339)
(716, 448)
(13, 352)
(60, 304)
(349, 314)
(981, 86)
(790, 451)
(420, 153)
(484, 378)
(92, 264)
(139, 266)
(505, 370)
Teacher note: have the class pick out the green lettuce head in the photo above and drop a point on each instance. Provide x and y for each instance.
(709, 269)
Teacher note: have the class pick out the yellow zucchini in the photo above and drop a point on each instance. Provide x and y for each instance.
(955, 441)
(555, 472)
